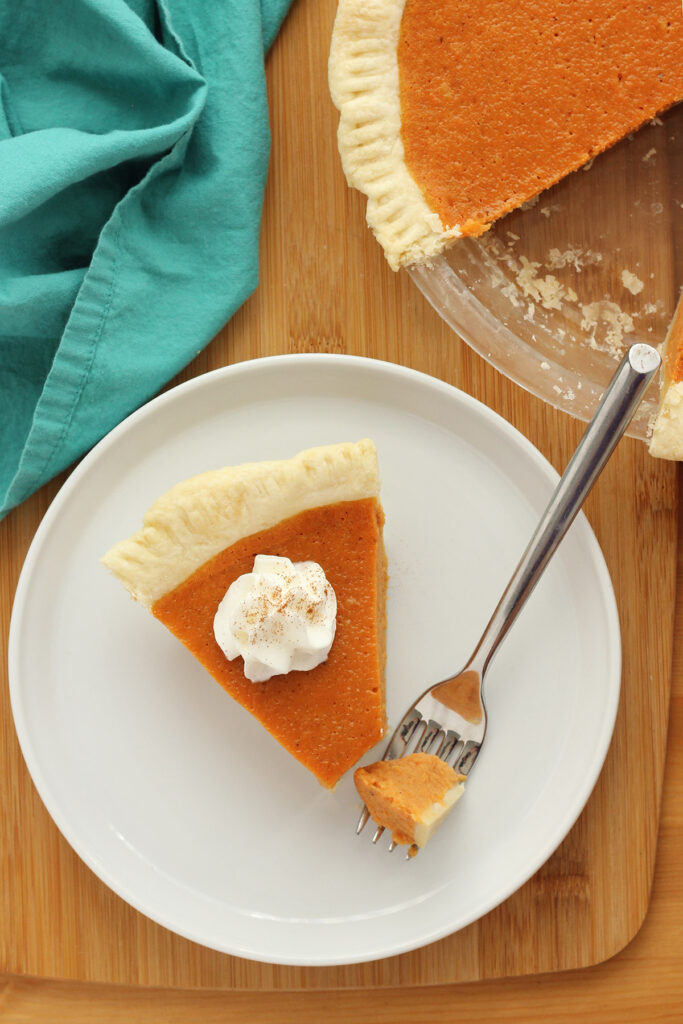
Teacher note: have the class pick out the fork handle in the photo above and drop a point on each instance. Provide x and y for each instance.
(609, 422)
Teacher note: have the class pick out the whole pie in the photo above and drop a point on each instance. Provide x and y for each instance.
(321, 506)
(454, 112)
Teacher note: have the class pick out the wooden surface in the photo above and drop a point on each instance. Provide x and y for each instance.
(325, 287)
(643, 984)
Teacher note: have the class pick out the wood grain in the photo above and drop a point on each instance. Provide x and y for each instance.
(642, 984)
(325, 287)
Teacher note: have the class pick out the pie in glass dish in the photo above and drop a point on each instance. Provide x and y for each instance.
(454, 112)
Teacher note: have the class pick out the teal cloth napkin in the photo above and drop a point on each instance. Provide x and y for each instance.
(134, 145)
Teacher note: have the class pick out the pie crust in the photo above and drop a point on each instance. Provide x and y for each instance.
(363, 77)
(201, 516)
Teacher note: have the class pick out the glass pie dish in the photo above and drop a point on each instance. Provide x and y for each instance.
(554, 292)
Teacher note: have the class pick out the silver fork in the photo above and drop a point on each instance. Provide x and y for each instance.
(449, 719)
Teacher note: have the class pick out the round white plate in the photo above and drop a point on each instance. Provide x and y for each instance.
(177, 798)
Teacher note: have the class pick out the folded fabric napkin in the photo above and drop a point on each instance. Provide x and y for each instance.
(134, 146)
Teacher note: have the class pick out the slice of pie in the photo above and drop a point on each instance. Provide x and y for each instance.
(666, 441)
(411, 796)
(454, 112)
(321, 506)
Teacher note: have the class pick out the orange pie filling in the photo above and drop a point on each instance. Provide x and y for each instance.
(411, 796)
(330, 716)
(673, 360)
(501, 100)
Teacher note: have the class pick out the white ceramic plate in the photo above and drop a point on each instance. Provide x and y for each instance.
(182, 803)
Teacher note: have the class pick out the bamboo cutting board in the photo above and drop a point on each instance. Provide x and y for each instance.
(325, 287)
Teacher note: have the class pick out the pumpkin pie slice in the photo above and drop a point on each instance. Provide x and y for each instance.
(666, 441)
(322, 506)
(454, 112)
(410, 796)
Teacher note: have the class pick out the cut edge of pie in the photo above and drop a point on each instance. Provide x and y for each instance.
(201, 516)
(364, 84)
(666, 440)
(365, 78)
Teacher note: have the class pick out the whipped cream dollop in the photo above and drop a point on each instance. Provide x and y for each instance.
(279, 617)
